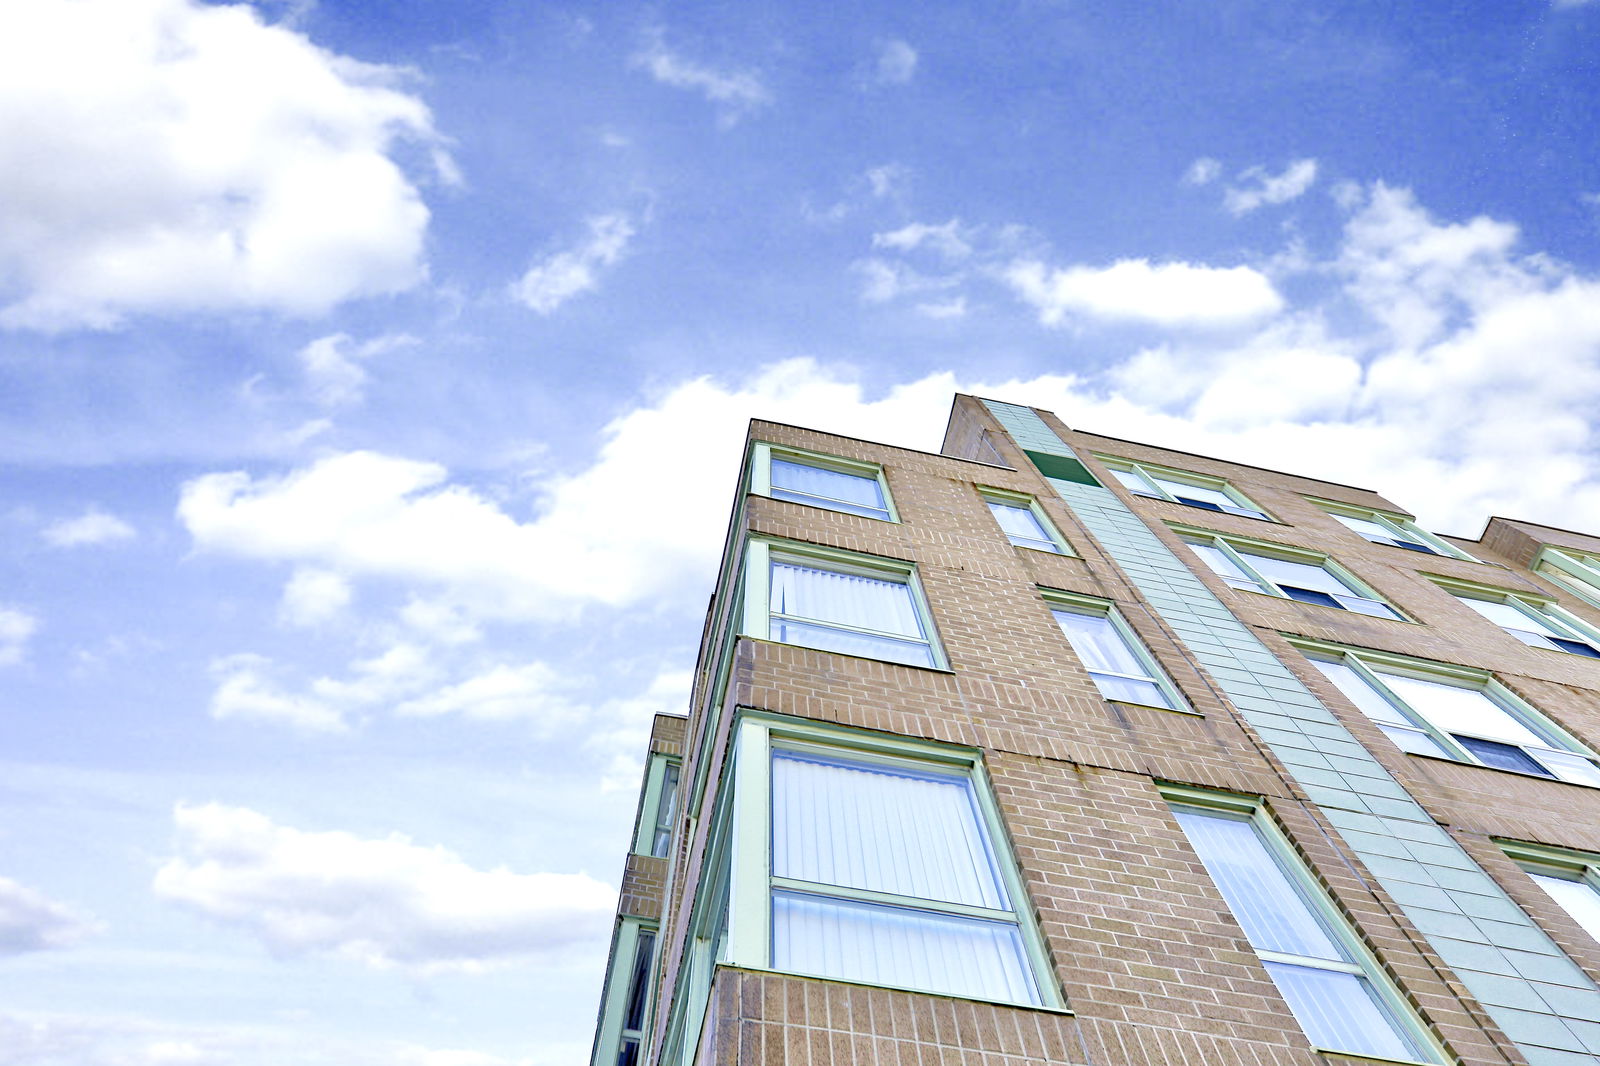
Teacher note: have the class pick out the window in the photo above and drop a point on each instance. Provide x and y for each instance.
(820, 481)
(1457, 714)
(876, 860)
(1307, 578)
(837, 601)
(658, 808)
(1574, 571)
(1571, 878)
(1214, 494)
(1331, 983)
(1024, 522)
(1393, 529)
(1119, 665)
(625, 1008)
(1538, 624)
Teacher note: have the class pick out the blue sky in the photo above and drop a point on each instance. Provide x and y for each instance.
(343, 346)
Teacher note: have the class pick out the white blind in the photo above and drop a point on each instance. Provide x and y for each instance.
(1577, 898)
(848, 599)
(828, 484)
(880, 828)
(1461, 710)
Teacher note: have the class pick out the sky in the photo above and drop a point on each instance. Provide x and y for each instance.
(373, 378)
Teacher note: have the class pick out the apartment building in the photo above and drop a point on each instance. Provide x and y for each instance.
(1054, 747)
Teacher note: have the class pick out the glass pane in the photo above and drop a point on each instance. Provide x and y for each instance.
(1506, 616)
(826, 638)
(639, 982)
(1218, 561)
(1340, 1012)
(882, 828)
(1570, 767)
(1363, 695)
(1098, 643)
(1362, 605)
(1460, 710)
(881, 945)
(802, 479)
(1577, 898)
(1576, 647)
(1273, 914)
(1017, 521)
(1503, 756)
(850, 599)
(1186, 491)
(1300, 575)
(1414, 740)
(666, 808)
(1129, 690)
(1134, 482)
(1367, 528)
(1310, 596)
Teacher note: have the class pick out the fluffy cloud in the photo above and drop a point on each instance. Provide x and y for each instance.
(1258, 187)
(30, 921)
(170, 155)
(17, 627)
(1202, 171)
(949, 239)
(313, 596)
(552, 282)
(381, 902)
(735, 93)
(246, 689)
(1166, 294)
(332, 366)
(897, 63)
(91, 527)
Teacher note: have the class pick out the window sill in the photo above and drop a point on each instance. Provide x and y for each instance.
(847, 655)
(1324, 607)
(1190, 711)
(1353, 1059)
(1011, 1003)
(1496, 770)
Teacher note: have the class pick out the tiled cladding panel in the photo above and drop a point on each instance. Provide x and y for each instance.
(1534, 993)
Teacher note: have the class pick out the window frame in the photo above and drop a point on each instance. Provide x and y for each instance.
(1238, 549)
(762, 453)
(756, 617)
(648, 821)
(613, 1030)
(1576, 571)
(757, 735)
(1542, 612)
(1401, 526)
(1253, 811)
(1152, 475)
(1369, 665)
(1057, 600)
(1031, 504)
(1568, 864)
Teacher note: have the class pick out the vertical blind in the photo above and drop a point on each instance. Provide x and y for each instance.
(1110, 661)
(862, 494)
(1339, 1010)
(809, 604)
(1021, 525)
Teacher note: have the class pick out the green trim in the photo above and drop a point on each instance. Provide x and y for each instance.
(1240, 549)
(1570, 860)
(1032, 505)
(613, 1000)
(761, 453)
(1575, 571)
(1061, 467)
(1402, 525)
(759, 733)
(1153, 475)
(649, 814)
(1090, 605)
(1365, 963)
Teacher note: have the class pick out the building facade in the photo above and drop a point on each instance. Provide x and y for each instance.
(1058, 748)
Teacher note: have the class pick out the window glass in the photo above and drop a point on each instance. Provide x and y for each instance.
(1395, 725)
(1295, 579)
(1224, 565)
(838, 490)
(1327, 986)
(1300, 575)
(666, 809)
(1115, 667)
(1577, 897)
(1022, 527)
(1460, 710)
(1148, 481)
(845, 612)
(1135, 482)
(1531, 625)
(1186, 493)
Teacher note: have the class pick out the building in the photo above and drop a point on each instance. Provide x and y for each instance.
(1058, 748)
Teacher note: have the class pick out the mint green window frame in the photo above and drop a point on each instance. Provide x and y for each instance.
(658, 807)
(761, 552)
(1240, 551)
(1545, 619)
(1358, 962)
(1575, 571)
(1562, 755)
(1395, 526)
(763, 453)
(1052, 541)
(1153, 674)
(613, 1031)
(1164, 483)
(1561, 864)
(752, 882)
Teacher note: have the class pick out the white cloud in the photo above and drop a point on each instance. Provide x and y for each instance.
(1259, 187)
(529, 690)
(245, 690)
(332, 366)
(162, 156)
(17, 627)
(952, 308)
(550, 283)
(735, 93)
(92, 527)
(897, 63)
(949, 239)
(382, 902)
(1202, 171)
(313, 596)
(1167, 294)
(31, 921)
(888, 180)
